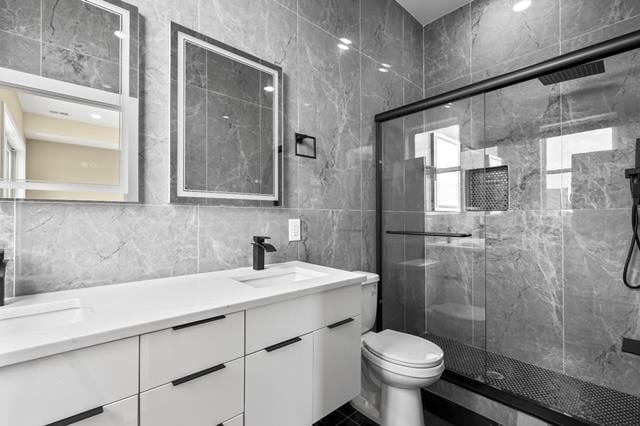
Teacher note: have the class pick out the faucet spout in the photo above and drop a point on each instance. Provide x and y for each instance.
(259, 248)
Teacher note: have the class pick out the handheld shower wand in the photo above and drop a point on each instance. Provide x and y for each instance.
(634, 182)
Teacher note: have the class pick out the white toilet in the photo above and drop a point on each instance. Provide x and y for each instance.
(395, 366)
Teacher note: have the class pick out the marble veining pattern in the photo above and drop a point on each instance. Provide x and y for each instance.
(81, 244)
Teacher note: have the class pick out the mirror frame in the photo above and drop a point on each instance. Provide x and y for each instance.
(123, 102)
(180, 36)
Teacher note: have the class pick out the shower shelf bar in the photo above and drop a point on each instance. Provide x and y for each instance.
(431, 234)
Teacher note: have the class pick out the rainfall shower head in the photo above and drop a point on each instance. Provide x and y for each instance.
(579, 71)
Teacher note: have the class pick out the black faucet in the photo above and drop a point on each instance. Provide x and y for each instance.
(259, 247)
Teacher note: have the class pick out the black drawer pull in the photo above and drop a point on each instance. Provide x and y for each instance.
(282, 344)
(194, 376)
(339, 323)
(78, 417)
(204, 321)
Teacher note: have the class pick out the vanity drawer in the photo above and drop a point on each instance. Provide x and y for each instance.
(176, 352)
(121, 413)
(54, 388)
(271, 324)
(200, 401)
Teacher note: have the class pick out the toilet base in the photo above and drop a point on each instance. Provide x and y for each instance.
(401, 407)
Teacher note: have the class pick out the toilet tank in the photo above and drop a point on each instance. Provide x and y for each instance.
(369, 302)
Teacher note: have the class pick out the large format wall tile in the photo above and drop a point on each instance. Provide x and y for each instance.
(78, 68)
(21, 17)
(64, 246)
(412, 50)
(580, 17)
(341, 18)
(155, 99)
(19, 53)
(329, 96)
(332, 238)
(524, 286)
(382, 31)
(499, 34)
(381, 91)
(82, 27)
(447, 47)
(225, 236)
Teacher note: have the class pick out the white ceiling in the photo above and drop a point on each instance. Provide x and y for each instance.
(41, 105)
(427, 11)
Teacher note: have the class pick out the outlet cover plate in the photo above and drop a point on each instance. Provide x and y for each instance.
(294, 230)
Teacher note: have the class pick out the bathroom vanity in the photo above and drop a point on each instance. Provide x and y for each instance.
(241, 347)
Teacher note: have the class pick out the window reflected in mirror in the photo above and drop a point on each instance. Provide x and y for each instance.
(59, 149)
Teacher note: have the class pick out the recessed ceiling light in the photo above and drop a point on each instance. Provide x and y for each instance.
(342, 46)
(269, 89)
(381, 69)
(96, 116)
(448, 105)
(226, 117)
(521, 5)
(118, 34)
(346, 41)
(386, 65)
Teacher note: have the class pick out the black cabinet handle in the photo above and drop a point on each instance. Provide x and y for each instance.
(204, 321)
(282, 344)
(339, 323)
(199, 374)
(78, 417)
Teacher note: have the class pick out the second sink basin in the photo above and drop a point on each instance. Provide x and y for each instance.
(60, 313)
(277, 276)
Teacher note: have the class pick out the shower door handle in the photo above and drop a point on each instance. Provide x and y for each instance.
(431, 234)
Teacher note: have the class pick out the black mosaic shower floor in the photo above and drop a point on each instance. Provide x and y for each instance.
(577, 398)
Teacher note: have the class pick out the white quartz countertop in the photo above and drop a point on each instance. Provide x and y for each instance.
(118, 311)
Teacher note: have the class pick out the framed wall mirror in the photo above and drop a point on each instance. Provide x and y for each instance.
(228, 126)
(69, 105)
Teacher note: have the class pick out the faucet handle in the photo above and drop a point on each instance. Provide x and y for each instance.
(258, 239)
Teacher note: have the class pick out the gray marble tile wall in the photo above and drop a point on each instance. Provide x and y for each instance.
(330, 93)
(69, 40)
(554, 261)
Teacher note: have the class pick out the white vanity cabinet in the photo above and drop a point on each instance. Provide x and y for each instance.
(291, 369)
(336, 358)
(193, 373)
(278, 384)
(83, 386)
(279, 360)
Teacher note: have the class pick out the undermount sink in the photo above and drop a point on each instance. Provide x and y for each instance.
(277, 276)
(40, 315)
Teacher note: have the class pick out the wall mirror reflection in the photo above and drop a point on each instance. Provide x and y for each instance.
(228, 122)
(69, 123)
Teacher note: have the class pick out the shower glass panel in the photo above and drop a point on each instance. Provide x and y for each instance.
(436, 284)
(530, 301)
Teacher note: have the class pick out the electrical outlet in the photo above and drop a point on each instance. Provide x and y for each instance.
(294, 229)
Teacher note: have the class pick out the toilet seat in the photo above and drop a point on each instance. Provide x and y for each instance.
(403, 349)
(401, 370)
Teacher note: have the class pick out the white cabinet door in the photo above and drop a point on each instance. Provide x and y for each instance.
(336, 366)
(47, 390)
(203, 399)
(278, 384)
(121, 413)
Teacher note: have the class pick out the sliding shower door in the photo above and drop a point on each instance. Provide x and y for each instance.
(433, 255)
(506, 220)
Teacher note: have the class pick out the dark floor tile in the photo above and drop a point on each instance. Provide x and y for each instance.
(347, 409)
(433, 420)
(332, 419)
(361, 419)
(348, 422)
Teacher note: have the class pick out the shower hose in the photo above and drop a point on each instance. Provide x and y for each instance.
(634, 182)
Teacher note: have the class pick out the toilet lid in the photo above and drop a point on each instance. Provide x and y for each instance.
(404, 349)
